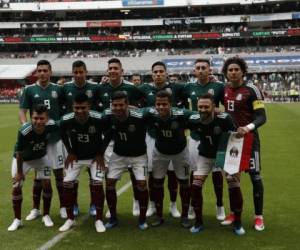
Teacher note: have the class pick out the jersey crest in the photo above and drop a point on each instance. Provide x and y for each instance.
(92, 130)
(89, 93)
(54, 94)
(239, 97)
(174, 125)
(217, 130)
(211, 91)
(131, 128)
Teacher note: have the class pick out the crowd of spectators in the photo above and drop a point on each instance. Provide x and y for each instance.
(19, 55)
(9, 92)
(194, 11)
(150, 30)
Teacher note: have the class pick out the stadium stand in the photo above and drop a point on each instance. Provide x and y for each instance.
(266, 34)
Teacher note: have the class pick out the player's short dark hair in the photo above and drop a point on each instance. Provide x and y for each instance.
(207, 96)
(114, 60)
(202, 60)
(235, 60)
(39, 109)
(81, 98)
(163, 94)
(119, 95)
(136, 74)
(78, 64)
(158, 63)
(44, 62)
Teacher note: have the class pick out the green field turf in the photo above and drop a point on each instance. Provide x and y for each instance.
(281, 171)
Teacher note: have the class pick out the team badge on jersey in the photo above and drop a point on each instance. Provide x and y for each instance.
(169, 90)
(150, 93)
(174, 125)
(217, 130)
(70, 94)
(211, 91)
(105, 94)
(131, 128)
(36, 96)
(92, 130)
(239, 97)
(54, 94)
(234, 152)
(89, 93)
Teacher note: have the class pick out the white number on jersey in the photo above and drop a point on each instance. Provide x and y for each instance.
(47, 103)
(38, 146)
(167, 133)
(84, 138)
(230, 105)
(123, 136)
(209, 138)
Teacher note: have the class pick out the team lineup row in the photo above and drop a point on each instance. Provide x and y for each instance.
(127, 130)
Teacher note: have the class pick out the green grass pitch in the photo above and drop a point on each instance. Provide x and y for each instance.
(280, 139)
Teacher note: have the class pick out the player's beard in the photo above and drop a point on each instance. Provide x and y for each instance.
(206, 117)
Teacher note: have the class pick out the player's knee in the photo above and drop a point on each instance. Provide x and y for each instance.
(184, 183)
(198, 180)
(158, 183)
(142, 185)
(111, 184)
(69, 185)
(96, 182)
(255, 177)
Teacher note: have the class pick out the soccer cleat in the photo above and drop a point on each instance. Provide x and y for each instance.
(100, 228)
(151, 209)
(63, 213)
(185, 222)
(34, 213)
(113, 222)
(173, 210)
(220, 213)
(135, 208)
(92, 210)
(75, 210)
(157, 221)
(191, 213)
(259, 224)
(47, 221)
(143, 226)
(14, 225)
(228, 220)
(238, 229)
(107, 215)
(68, 224)
(197, 228)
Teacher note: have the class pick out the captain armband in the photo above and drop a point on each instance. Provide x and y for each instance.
(258, 104)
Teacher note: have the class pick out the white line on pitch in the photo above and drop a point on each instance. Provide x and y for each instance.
(57, 238)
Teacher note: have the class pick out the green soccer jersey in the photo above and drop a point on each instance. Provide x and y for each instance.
(193, 90)
(149, 92)
(51, 96)
(106, 90)
(170, 138)
(128, 135)
(71, 89)
(31, 145)
(83, 140)
(210, 133)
